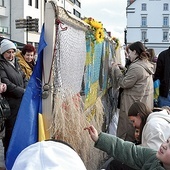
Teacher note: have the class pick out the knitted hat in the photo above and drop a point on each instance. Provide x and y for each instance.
(6, 45)
(47, 155)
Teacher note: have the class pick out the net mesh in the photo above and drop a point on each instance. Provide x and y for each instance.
(70, 58)
(70, 111)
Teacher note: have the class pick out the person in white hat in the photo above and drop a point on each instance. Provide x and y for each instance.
(13, 76)
(6, 45)
(45, 155)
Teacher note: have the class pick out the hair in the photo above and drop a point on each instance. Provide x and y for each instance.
(139, 108)
(126, 50)
(152, 54)
(28, 48)
(127, 60)
(140, 50)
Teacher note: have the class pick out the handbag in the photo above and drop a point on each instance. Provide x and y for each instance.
(5, 112)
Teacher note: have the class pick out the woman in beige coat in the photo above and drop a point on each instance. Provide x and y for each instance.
(137, 83)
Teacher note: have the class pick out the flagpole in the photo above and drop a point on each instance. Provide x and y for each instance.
(50, 27)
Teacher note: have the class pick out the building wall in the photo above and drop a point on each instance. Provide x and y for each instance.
(19, 9)
(154, 28)
(25, 10)
(4, 23)
(72, 7)
(17, 12)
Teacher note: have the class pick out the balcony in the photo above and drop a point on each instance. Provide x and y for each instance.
(3, 11)
(3, 30)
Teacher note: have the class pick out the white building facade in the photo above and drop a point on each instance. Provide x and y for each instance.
(12, 10)
(21, 9)
(148, 21)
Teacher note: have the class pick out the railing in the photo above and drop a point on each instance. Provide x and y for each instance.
(3, 29)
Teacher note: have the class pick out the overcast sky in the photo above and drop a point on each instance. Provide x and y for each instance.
(112, 13)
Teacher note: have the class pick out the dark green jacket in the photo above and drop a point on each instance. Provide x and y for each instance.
(128, 153)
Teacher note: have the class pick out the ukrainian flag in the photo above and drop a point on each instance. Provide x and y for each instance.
(25, 131)
(156, 89)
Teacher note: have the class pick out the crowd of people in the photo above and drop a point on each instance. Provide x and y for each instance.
(142, 140)
(137, 84)
(138, 111)
(16, 68)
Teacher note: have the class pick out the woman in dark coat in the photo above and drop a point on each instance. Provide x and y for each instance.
(12, 75)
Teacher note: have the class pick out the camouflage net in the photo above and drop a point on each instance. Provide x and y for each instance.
(69, 122)
(69, 114)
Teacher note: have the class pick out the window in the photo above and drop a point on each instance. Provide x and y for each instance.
(165, 36)
(144, 21)
(165, 21)
(73, 1)
(143, 7)
(4, 30)
(76, 13)
(77, 3)
(29, 42)
(36, 4)
(1, 2)
(36, 46)
(143, 35)
(165, 7)
(30, 2)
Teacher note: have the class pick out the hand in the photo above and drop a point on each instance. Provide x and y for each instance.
(3, 87)
(121, 66)
(93, 133)
(115, 65)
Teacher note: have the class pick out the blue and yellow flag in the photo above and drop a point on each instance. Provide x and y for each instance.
(156, 89)
(42, 133)
(25, 131)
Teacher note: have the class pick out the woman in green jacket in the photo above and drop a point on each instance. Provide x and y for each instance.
(130, 154)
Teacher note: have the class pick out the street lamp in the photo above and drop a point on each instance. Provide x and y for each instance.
(145, 40)
(125, 36)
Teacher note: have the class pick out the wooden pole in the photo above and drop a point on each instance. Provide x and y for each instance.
(50, 29)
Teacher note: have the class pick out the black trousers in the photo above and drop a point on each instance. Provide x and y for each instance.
(9, 125)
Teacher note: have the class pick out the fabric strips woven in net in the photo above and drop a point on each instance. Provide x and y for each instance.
(70, 58)
(92, 71)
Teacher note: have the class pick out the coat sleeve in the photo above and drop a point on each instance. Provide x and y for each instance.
(130, 78)
(12, 88)
(123, 151)
(159, 68)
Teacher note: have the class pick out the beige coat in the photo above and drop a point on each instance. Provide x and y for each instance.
(138, 86)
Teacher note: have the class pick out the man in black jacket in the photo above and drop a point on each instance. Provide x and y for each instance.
(163, 74)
